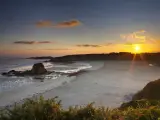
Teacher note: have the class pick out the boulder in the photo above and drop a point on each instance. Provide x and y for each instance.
(38, 68)
(151, 91)
(11, 73)
(4, 73)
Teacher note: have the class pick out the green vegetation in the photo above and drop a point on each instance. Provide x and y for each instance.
(51, 109)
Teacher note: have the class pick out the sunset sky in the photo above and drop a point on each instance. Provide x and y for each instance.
(61, 27)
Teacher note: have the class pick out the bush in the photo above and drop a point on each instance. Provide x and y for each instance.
(40, 109)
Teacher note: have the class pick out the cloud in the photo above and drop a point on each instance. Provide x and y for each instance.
(44, 42)
(128, 43)
(87, 45)
(32, 42)
(24, 42)
(58, 49)
(71, 23)
(137, 37)
(45, 23)
(65, 24)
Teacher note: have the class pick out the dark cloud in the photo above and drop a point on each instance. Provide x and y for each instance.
(44, 42)
(24, 42)
(32, 42)
(65, 24)
(71, 23)
(87, 45)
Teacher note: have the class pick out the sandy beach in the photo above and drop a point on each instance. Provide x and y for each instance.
(107, 83)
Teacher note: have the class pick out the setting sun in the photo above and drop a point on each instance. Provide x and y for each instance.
(137, 49)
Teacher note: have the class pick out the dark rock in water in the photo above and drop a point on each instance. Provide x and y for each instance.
(11, 73)
(150, 91)
(4, 73)
(38, 68)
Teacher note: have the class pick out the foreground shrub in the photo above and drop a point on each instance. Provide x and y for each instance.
(40, 109)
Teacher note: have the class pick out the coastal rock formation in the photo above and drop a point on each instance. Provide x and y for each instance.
(37, 69)
(150, 91)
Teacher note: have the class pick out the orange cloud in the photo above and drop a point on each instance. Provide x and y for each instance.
(45, 23)
(32, 42)
(65, 24)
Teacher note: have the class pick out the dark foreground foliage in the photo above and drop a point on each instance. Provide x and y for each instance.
(51, 109)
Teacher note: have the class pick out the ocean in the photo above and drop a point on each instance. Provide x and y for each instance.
(107, 83)
(23, 87)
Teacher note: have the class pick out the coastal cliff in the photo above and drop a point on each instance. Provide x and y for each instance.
(151, 91)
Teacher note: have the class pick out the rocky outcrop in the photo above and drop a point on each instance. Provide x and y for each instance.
(16, 73)
(37, 69)
(151, 91)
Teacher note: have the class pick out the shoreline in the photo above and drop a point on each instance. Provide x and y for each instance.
(90, 86)
(37, 95)
(33, 96)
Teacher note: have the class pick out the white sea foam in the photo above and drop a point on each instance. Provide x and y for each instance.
(9, 97)
(14, 83)
(107, 83)
(14, 88)
(69, 68)
(29, 67)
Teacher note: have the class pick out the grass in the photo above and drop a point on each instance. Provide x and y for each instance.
(51, 109)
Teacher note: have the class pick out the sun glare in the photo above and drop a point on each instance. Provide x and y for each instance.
(137, 49)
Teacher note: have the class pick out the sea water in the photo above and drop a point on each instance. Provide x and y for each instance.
(13, 88)
(107, 83)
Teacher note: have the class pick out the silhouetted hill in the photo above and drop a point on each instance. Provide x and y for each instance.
(155, 57)
(151, 57)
